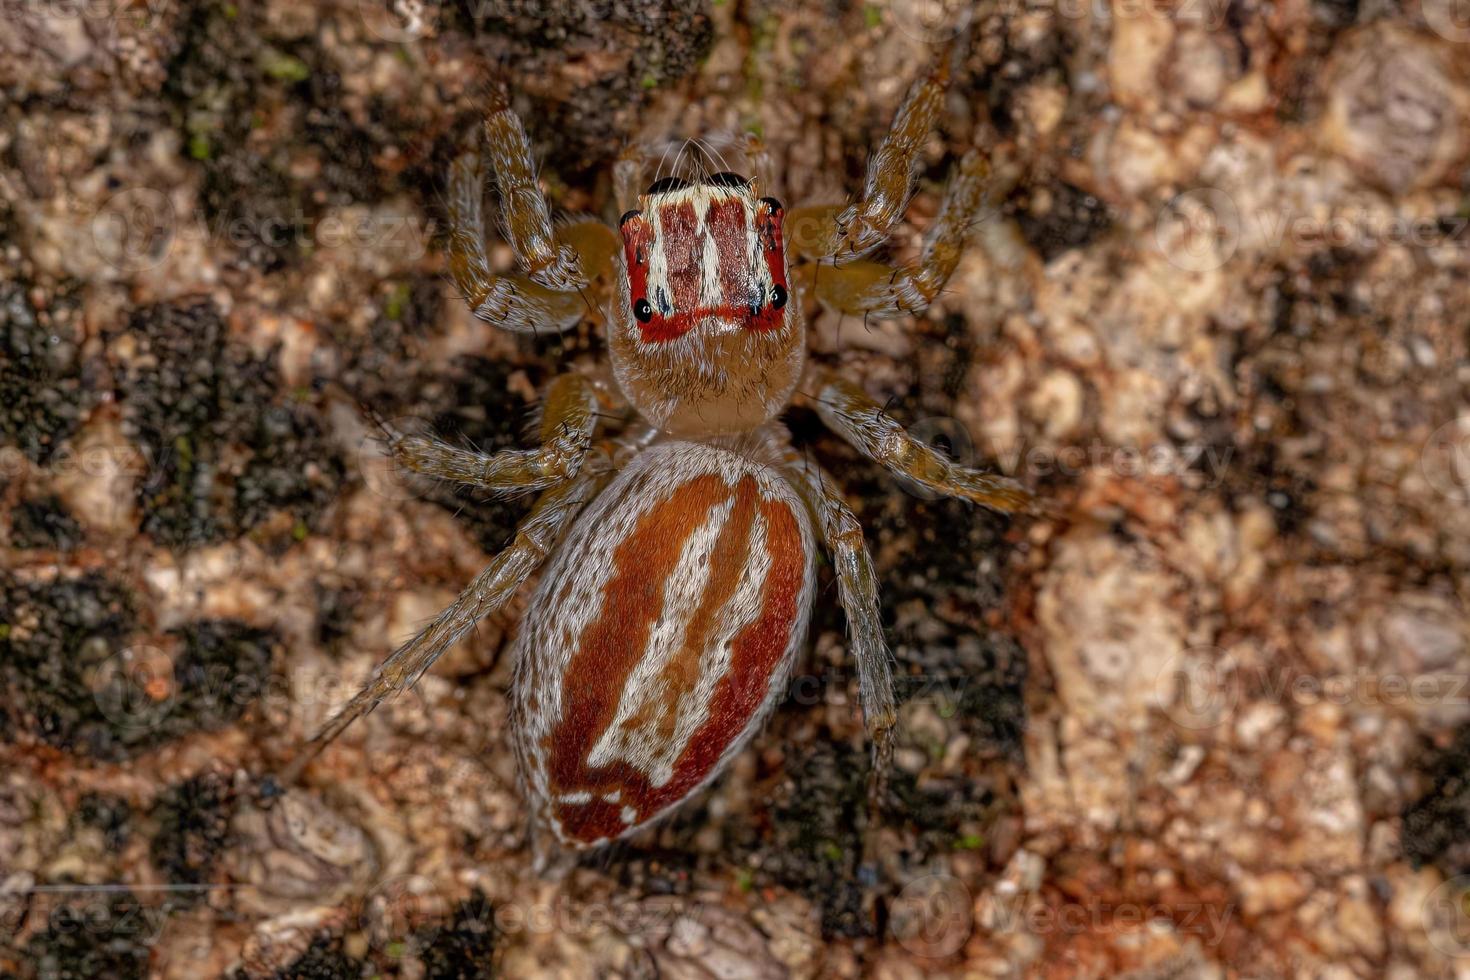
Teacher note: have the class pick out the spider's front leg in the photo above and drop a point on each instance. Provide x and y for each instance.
(866, 288)
(837, 233)
(535, 538)
(558, 262)
(860, 420)
(568, 421)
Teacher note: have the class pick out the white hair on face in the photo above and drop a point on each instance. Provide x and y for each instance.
(700, 197)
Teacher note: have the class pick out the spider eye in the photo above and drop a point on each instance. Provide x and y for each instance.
(628, 215)
(666, 184)
(642, 310)
(778, 296)
(771, 204)
(727, 179)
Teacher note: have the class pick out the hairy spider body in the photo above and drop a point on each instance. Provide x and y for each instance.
(680, 557)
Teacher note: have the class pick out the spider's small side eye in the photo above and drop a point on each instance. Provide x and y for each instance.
(727, 179)
(771, 204)
(642, 310)
(778, 296)
(665, 184)
(627, 215)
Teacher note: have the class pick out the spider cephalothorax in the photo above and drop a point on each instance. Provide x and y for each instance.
(704, 338)
(681, 557)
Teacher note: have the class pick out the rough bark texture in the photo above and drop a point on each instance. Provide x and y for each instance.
(1211, 720)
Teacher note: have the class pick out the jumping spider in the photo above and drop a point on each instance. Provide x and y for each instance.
(680, 580)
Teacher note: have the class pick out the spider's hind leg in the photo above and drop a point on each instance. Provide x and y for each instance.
(857, 588)
(536, 536)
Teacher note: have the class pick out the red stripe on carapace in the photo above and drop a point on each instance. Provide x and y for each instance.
(611, 647)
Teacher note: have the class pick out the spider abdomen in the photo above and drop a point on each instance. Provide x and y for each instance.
(660, 637)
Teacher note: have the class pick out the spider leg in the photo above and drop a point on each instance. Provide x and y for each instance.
(536, 536)
(569, 418)
(847, 410)
(857, 588)
(863, 286)
(523, 209)
(843, 233)
(513, 301)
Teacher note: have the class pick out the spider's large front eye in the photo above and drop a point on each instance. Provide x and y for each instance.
(642, 310)
(628, 216)
(727, 179)
(778, 296)
(666, 184)
(772, 205)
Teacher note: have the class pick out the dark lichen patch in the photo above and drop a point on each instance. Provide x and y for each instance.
(463, 948)
(324, 959)
(112, 815)
(222, 668)
(226, 444)
(1437, 825)
(57, 641)
(814, 843)
(264, 114)
(44, 395)
(92, 935)
(337, 612)
(645, 44)
(44, 523)
(1059, 217)
(193, 821)
(70, 657)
